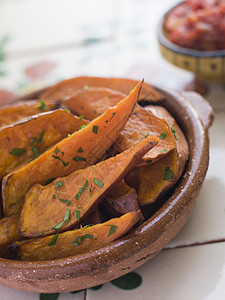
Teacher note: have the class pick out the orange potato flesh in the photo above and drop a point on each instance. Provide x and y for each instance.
(72, 86)
(96, 236)
(94, 140)
(8, 232)
(34, 219)
(47, 129)
(12, 113)
(151, 178)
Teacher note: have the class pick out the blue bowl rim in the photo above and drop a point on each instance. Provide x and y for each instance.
(181, 50)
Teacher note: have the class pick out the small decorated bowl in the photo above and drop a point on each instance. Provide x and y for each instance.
(207, 66)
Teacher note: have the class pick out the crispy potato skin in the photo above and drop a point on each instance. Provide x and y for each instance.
(98, 235)
(94, 140)
(47, 129)
(10, 114)
(71, 87)
(108, 173)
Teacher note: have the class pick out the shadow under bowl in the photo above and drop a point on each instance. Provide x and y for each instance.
(207, 66)
(194, 115)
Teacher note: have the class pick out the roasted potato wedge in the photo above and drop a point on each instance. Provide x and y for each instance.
(69, 199)
(75, 241)
(71, 87)
(81, 149)
(27, 139)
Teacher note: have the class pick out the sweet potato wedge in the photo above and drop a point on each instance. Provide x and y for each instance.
(27, 139)
(8, 233)
(121, 200)
(76, 241)
(95, 101)
(157, 178)
(81, 149)
(67, 200)
(19, 110)
(70, 87)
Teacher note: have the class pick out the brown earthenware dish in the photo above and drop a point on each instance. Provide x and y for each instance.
(194, 115)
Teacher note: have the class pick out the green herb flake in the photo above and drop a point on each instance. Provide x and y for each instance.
(58, 226)
(90, 189)
(146, 134)
(148, 161)
(77, 158)
(54, 196)
(33, 141)
(81, 190)
(78, 215)
(58, 184)
(66, 217)
(112, 116)
(162, 135)
(80, 150)
(69, 135)
(63, 162)
(168, 174)
(48, 181)
(79, 239)
(41, 233)
(164, 151)
(112, 229)
(54, 239)
(86, 87)
(95, 129)
(98, 183)
(56, 151)
(81, 117)
(41, 137)
(68, 202)
(67, 110)
(42, 105)
(174, 132)
(17, 151)
(89, 225)
(35, 152)
(82, 126)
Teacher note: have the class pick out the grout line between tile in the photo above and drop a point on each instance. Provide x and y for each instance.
(195, 244)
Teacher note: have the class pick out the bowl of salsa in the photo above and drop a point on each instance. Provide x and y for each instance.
(191, 35)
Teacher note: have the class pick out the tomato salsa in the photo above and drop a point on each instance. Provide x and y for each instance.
(197, 24)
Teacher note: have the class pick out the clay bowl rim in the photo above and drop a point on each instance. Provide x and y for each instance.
(138, 246)
(181, 50)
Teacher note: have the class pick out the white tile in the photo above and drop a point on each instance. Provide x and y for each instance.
(194, 273)
(207, 221)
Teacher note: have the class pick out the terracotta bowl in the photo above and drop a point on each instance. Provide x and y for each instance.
(206, 65)
(194, 115)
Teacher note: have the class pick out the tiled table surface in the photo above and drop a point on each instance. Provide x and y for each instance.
(49, 40)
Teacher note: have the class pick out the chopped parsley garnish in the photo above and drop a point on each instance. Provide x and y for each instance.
(77, 158)
(41, 137)
(41, 233)
(174, 132)
(79, 239)
(49, 180)
(58, 226)
(81, 117)
(95, 129)
(78, 215)
(67, 110)
(164, 151)
(98, 182)
(112, 229)
(54, 239)
(81, 190)
(89, 225)
(86, 87)
(33, 141)
(168, 174)
(35, 152)
(17, 151)
(65, 201)
(56, 151)
(112, 116)
(146, 134)
(42, 105)
(80, 150)
(82, 126)
(63, 162)
(148, 161)
(162, 135)
(66, 220)
(54, 196)
(58, 184)
(90, 189)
